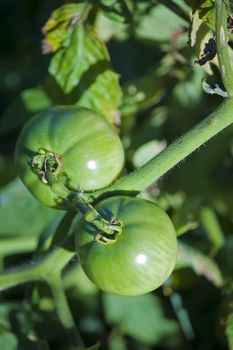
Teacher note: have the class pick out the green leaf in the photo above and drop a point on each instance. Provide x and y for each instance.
(207, 11)
(212, 228)
(59, 27)
(205, 8)
(108, 29)
(83, 51)
(116, 10)
(147, 151)
(35, 100)
(8, 341)
(203, 35)
(140, 317)
(143, 92)
(168, 201)
(199, 263)
(117, 341)
(82, 70)
(188, 93)
(103, 95)
(185, 217)
(21, 109)
(201, 30)
(6, 309)
(195, 25)
(20, 213)
(158, 25)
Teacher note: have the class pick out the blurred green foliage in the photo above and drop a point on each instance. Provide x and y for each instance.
(134, 62)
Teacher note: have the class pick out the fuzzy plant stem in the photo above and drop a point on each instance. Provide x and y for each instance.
(41, 269)
(176, 152)
(224, 60)
(48, 269)
(24, 274)
(198, 135)
(64, 313)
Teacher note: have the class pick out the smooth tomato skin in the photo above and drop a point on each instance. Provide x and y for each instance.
(91, 152)
(143, 256)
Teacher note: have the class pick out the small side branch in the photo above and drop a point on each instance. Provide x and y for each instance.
(41, 269)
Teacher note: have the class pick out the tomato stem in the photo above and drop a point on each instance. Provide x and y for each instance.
(41, 269)
(198, 135)
(25, 274)
(17, 245)
(48, 269)
(176, 152)
(64, 313)
(225, 62)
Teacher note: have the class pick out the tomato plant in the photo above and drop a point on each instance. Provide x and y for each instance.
(128, 94)
(143, 255)
(72, 143)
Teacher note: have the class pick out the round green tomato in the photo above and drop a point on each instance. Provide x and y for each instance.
(76, 144)
(143, 255)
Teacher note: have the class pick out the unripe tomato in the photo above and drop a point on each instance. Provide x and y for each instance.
(143, 255)
(79, 146)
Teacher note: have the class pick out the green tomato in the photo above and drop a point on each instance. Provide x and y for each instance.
(76, 144)
(143, 255)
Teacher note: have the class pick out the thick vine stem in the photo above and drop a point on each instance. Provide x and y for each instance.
(43, 267)
(225, 63)
(63, 312)
(48, 269)
(17, 245)
(176, 152)
(41, 270)
(22, 275)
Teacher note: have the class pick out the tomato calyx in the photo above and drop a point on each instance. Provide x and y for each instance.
(47, 165)
(111, 232)
(104, 239)
(104, 226)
